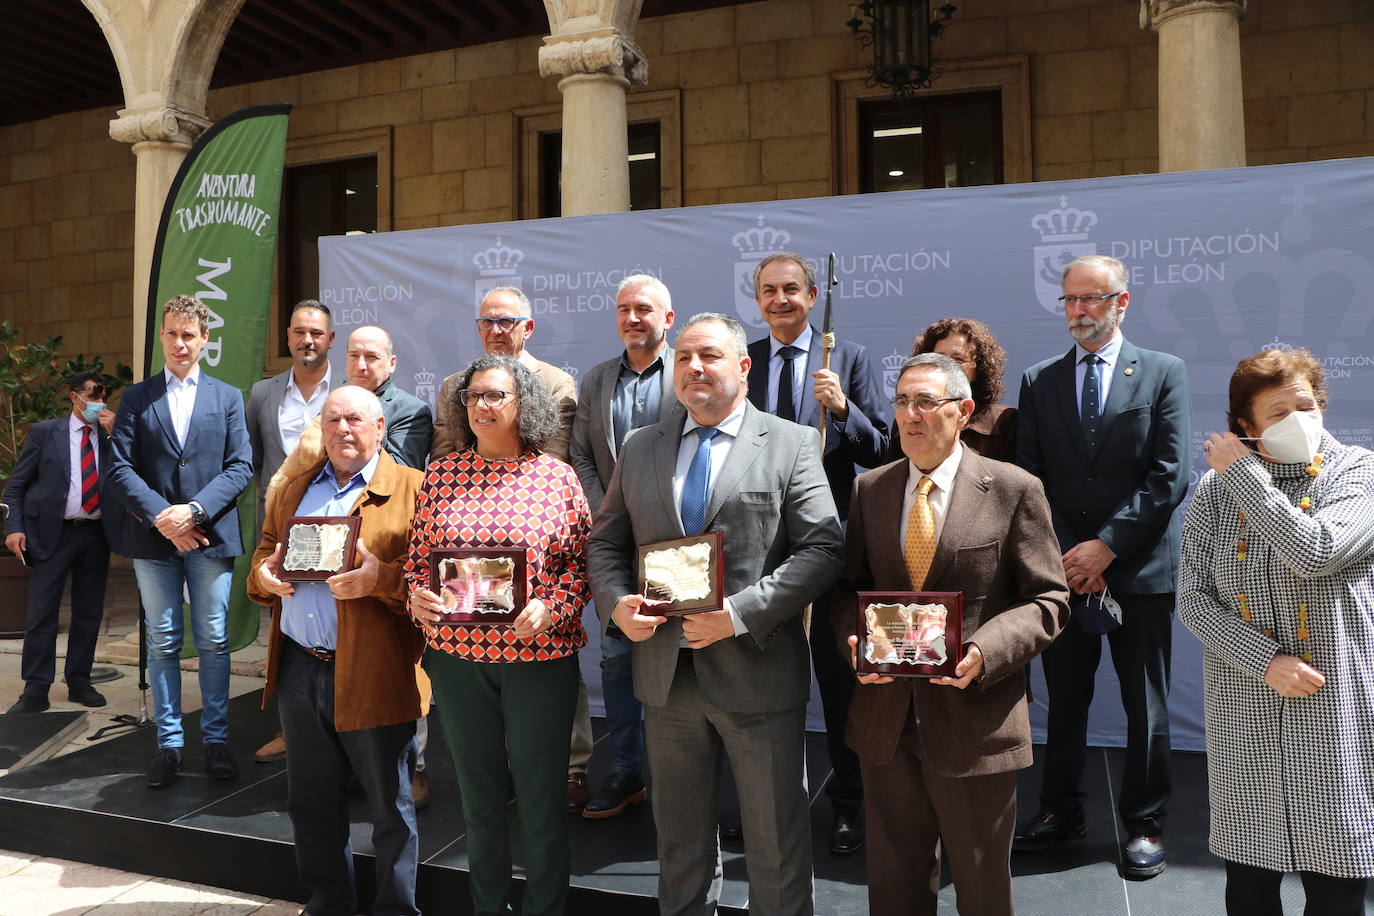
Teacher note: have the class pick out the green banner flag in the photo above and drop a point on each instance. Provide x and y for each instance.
(217, 241)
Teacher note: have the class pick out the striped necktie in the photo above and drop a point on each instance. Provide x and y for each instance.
(919, 549)
(90, 478)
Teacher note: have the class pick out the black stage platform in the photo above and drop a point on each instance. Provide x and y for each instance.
(92, 806)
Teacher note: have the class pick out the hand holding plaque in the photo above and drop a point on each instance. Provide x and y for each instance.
(683, 575)
(318, 547)
(910, 634)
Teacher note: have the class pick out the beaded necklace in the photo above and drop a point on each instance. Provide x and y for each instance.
(1242, 551)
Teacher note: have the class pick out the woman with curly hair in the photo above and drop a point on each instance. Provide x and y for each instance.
(506, 694)
(991, 431)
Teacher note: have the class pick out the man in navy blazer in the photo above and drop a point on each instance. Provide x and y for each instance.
(181, 459)
(786, 380)
(1107, 428)
(59, 517)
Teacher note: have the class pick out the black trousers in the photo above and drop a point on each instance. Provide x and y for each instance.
(835, 683)
(1252, 891)
(1141, 650)
(82, 552)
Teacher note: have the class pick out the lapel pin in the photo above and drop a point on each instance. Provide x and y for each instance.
(1129, 370)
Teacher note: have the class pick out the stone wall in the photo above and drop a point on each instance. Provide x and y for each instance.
(757, 121)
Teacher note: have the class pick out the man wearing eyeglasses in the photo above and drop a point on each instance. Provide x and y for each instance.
(61, 524)
(409, 422)
(1107, 428)
(505, 322)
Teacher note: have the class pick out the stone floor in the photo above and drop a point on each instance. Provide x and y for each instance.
(32, 886)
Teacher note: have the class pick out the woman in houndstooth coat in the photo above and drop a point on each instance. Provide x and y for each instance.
(1277, 580)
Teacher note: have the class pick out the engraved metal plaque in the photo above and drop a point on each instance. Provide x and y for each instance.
(480, 586)
(317, 547)
(683, 575)
(910, 634)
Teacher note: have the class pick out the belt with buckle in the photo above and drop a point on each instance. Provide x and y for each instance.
(318, 652)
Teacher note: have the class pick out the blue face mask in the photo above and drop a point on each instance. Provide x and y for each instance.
(92, 411)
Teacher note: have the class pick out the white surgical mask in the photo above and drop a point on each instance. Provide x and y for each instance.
(1294, 439)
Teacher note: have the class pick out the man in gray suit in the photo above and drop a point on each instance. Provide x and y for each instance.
(736, 679)
(625, 393)
(281, 407)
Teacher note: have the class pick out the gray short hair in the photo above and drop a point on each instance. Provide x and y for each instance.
(538, 413)
(956, 382)
(522, 301)
(732, 325)
(807, 267)
(649, 282)
(1100, 262)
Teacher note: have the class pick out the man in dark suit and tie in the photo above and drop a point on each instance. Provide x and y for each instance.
(1107, 428)
(736, 679)
(786, 380)
(625, 393)
(58, 523)
(940, 756)
(180, 460)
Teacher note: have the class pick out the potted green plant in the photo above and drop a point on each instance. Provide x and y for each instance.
(32, 388)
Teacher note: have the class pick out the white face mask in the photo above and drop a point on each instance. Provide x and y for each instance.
(1294, 439)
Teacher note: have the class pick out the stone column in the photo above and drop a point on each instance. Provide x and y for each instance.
(160, 137)
(1201, 115)
(595, 67)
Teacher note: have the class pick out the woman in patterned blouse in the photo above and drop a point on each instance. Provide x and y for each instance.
(1277, 580)
(506, 694)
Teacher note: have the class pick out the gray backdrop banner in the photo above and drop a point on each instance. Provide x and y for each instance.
(1223, 264)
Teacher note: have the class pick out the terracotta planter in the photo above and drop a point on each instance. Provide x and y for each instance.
(14, 596)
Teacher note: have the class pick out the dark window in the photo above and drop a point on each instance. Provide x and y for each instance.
(947, 141)
(645, 165)
(327, 198)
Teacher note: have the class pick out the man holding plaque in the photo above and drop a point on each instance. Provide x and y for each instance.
(939, 755)
(343, 656)
(628, 392)
(735, 679)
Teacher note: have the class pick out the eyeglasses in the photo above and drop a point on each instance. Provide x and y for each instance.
(1088, 300)
(93, 391)
(505, 324)
(493, 398)
(924, 403)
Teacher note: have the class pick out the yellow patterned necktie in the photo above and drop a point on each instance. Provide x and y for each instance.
(920, 535)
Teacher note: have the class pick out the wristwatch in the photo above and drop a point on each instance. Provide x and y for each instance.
(198, 516)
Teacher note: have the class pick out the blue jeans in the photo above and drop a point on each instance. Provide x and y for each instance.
(160, 585)
(623, 711)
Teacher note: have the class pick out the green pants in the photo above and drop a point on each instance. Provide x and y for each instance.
(510, 718)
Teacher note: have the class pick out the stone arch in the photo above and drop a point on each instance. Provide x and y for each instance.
(593, 14)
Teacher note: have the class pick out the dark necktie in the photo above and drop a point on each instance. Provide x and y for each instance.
(696, 488)
(90, 479)
(787, 401)
(1092, 383)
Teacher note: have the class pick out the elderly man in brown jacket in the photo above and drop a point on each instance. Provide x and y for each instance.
(939, 756)
(343, 659)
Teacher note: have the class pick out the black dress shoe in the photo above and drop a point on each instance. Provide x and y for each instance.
(732, 830)
(86, 695)
(1045, 829)
(1142, 857)
(165, 767)
(219, 763)
(847, 835)
(618, 792)
(29, 703)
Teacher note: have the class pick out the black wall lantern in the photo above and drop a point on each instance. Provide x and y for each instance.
(900, 32)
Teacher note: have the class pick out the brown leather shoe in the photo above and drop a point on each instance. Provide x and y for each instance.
(272, 751)
(419, 790)
(577, 794)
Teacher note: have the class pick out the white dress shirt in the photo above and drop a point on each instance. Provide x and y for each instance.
(297, 411)
(942, 479)
(181, 400)
(775, 363)
(1108, 354)
(74, 427)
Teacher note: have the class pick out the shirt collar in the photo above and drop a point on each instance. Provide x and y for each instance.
(657, 362)
(729, 426)
(76, 424)
(192, 377)
(942, 476)
(364, 473)
(1107, 353)
(802, 343)
(291, 385)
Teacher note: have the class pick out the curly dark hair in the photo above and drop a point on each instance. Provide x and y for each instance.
(1266, 369)
(538, 413)
(989, 359)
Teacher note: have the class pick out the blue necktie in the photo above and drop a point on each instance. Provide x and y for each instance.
(1092, 381)
(696, 488)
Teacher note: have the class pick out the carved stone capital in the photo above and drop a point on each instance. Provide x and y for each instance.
(606, 51)
(1154, 13)
(169, 125)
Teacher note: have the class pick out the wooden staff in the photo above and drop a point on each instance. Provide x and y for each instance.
(827, 339)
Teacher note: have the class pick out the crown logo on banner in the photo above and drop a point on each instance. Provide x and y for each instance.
(498, 259)
(761, 240)
(892, 371)
(1276, 344)
(571, 370)
(424, 385)
(1063, 223)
